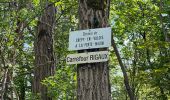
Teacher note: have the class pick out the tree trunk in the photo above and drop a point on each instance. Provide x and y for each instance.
(126, 80)
(44, 56)
(93, 79)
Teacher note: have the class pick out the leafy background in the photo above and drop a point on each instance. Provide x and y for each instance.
(141, 29)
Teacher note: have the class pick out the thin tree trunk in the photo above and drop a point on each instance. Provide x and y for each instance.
(126, 80)
(93, 79)
(4, 84)
(44, 57)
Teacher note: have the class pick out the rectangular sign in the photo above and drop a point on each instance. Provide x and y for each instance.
(90, 57)
(91, 38)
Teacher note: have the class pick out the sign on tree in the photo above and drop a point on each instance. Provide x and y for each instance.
(90, 57)
(89, 39)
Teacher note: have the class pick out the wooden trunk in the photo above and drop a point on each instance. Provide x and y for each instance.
(93, 79)
(44, 57)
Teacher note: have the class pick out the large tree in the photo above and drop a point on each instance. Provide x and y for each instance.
(93, 79)
(44, 57)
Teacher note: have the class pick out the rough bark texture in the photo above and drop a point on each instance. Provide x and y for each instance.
(44, 57)
(93, 79)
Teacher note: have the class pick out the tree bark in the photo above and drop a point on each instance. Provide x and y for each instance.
(44, 56)
(93, 79)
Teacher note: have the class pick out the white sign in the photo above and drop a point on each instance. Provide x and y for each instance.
(91, 38)
(90, 57)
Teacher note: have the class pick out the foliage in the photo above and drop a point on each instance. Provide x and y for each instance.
(141, 30)
(138, 30)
